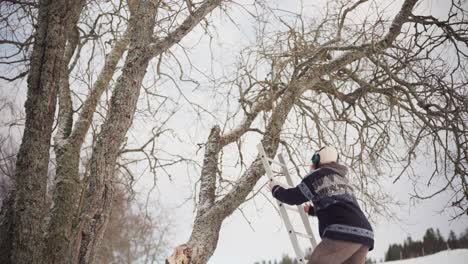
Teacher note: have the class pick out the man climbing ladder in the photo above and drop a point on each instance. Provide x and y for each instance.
(345, 231)
(292, 233)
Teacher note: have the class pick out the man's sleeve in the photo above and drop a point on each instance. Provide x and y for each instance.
(291, 196)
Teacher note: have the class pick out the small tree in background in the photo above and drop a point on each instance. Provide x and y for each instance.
(394, 252)
(452, 240)
(133, 236)
(430, 241)
(463, 239)
(286, 260)
(441, 243)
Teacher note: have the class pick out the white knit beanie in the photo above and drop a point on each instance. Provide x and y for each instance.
(328, 154)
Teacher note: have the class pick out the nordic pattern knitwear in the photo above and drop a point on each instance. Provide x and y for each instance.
(335, 205)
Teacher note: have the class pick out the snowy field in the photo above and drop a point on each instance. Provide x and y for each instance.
(457, 256)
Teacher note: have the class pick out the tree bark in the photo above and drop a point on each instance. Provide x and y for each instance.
(99, 192)
(204, 238)
(57, 238)
(60, 235)
(209, 171)
(33, 157)
(6, 228)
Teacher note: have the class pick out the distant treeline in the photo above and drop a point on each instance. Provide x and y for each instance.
(431, 243)
(284, 260)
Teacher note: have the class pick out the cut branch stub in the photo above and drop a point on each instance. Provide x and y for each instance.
(209, 171)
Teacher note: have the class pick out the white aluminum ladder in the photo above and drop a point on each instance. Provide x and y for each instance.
(283, 207)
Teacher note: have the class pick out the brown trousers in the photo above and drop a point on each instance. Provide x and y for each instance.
(331, 251)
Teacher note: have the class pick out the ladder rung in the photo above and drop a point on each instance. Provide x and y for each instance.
(291, 209)
(302, 235)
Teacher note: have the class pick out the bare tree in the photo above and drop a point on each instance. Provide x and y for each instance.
(81, 206)
(98, 197)
(375, 89)
(46, 62)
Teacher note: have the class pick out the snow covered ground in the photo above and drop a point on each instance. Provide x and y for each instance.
(456, 256)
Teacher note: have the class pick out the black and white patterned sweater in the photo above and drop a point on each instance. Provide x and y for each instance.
(335, 205)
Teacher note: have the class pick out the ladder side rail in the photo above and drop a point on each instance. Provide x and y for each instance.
(282, 209)
(304, 217)
(291, 233)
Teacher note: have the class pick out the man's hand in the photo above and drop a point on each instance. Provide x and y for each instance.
(309, 209)
(273, 183)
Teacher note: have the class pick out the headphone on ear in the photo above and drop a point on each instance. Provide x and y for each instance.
(316, 157)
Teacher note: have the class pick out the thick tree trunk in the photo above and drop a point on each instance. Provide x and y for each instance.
(99, 193)
(33, 157)
(68, 186)
(205, 233)
(58, 235)
(204, 238)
